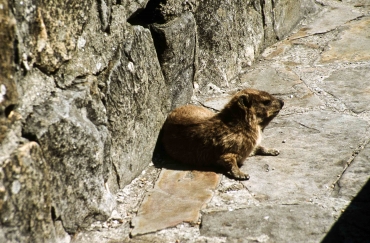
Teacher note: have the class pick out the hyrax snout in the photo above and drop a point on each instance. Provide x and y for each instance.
(197, 136)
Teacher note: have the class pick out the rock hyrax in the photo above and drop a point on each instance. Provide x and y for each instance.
(197, 136)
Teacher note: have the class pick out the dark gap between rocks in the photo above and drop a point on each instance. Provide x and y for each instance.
(53, 214)
(9, 109)
(149, 15)
(29, 136)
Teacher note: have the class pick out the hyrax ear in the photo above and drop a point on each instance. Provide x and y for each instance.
(245, 101)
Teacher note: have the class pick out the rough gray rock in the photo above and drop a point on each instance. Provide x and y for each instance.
(74, 148)
(231, 34)
(137, 104)
(68, 97)
(25, 178)
(176, 44)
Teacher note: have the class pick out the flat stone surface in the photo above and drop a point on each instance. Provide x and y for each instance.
(354, 224)
(278, 223)
(217, 103)
(352, 45)
(356, 176)
(351, 86)
(314, 146)
(177, 197)
(279, 81)
(334, 15)
(283, 82)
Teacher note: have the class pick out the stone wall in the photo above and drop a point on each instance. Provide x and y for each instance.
(85, 87)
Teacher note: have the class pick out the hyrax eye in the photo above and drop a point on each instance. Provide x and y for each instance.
(266, 102)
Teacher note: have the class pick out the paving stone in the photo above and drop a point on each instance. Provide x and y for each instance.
(354, 224)
(352, 45)
(279, 81)
(356, 176)
(177, 197)
(275, 80)
(305, 46)
(313, 149)
(119, 234)
(283, 82)
(351, 86)
(333, 15)
(217, 103)
(362, 4)
(278, 223)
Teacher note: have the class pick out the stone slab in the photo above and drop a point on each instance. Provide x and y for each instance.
(351, 86)
(279, 81)
(354, 223)
(313, 149)
(332, 16)
(356, 176)
(352, 45)
(217, 103)
(283, 82)
(278, 223)
(177, 197)
(354, 185)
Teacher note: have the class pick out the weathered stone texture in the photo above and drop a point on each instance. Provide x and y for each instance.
(71, 84)
(349, 85)
(88, 89)
(181, 193)
(176, 44)
(24, 177)
(232, 34)
(74, 148)
(136, 104)
(47, 35)
(269, 223)
(352, 46)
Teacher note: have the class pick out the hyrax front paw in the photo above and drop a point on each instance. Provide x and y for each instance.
(259, 150)
(237, 174)
(273, 152)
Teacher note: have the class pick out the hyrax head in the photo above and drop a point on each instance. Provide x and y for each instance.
(255, 105)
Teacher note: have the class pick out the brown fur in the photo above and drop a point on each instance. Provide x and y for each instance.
(195, 135)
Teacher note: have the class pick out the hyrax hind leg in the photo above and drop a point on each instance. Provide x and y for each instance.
(259, 150)
(229, 161)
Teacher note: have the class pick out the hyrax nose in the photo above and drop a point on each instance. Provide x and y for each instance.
(281, 103)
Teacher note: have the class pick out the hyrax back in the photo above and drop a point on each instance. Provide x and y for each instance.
(194, 135)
